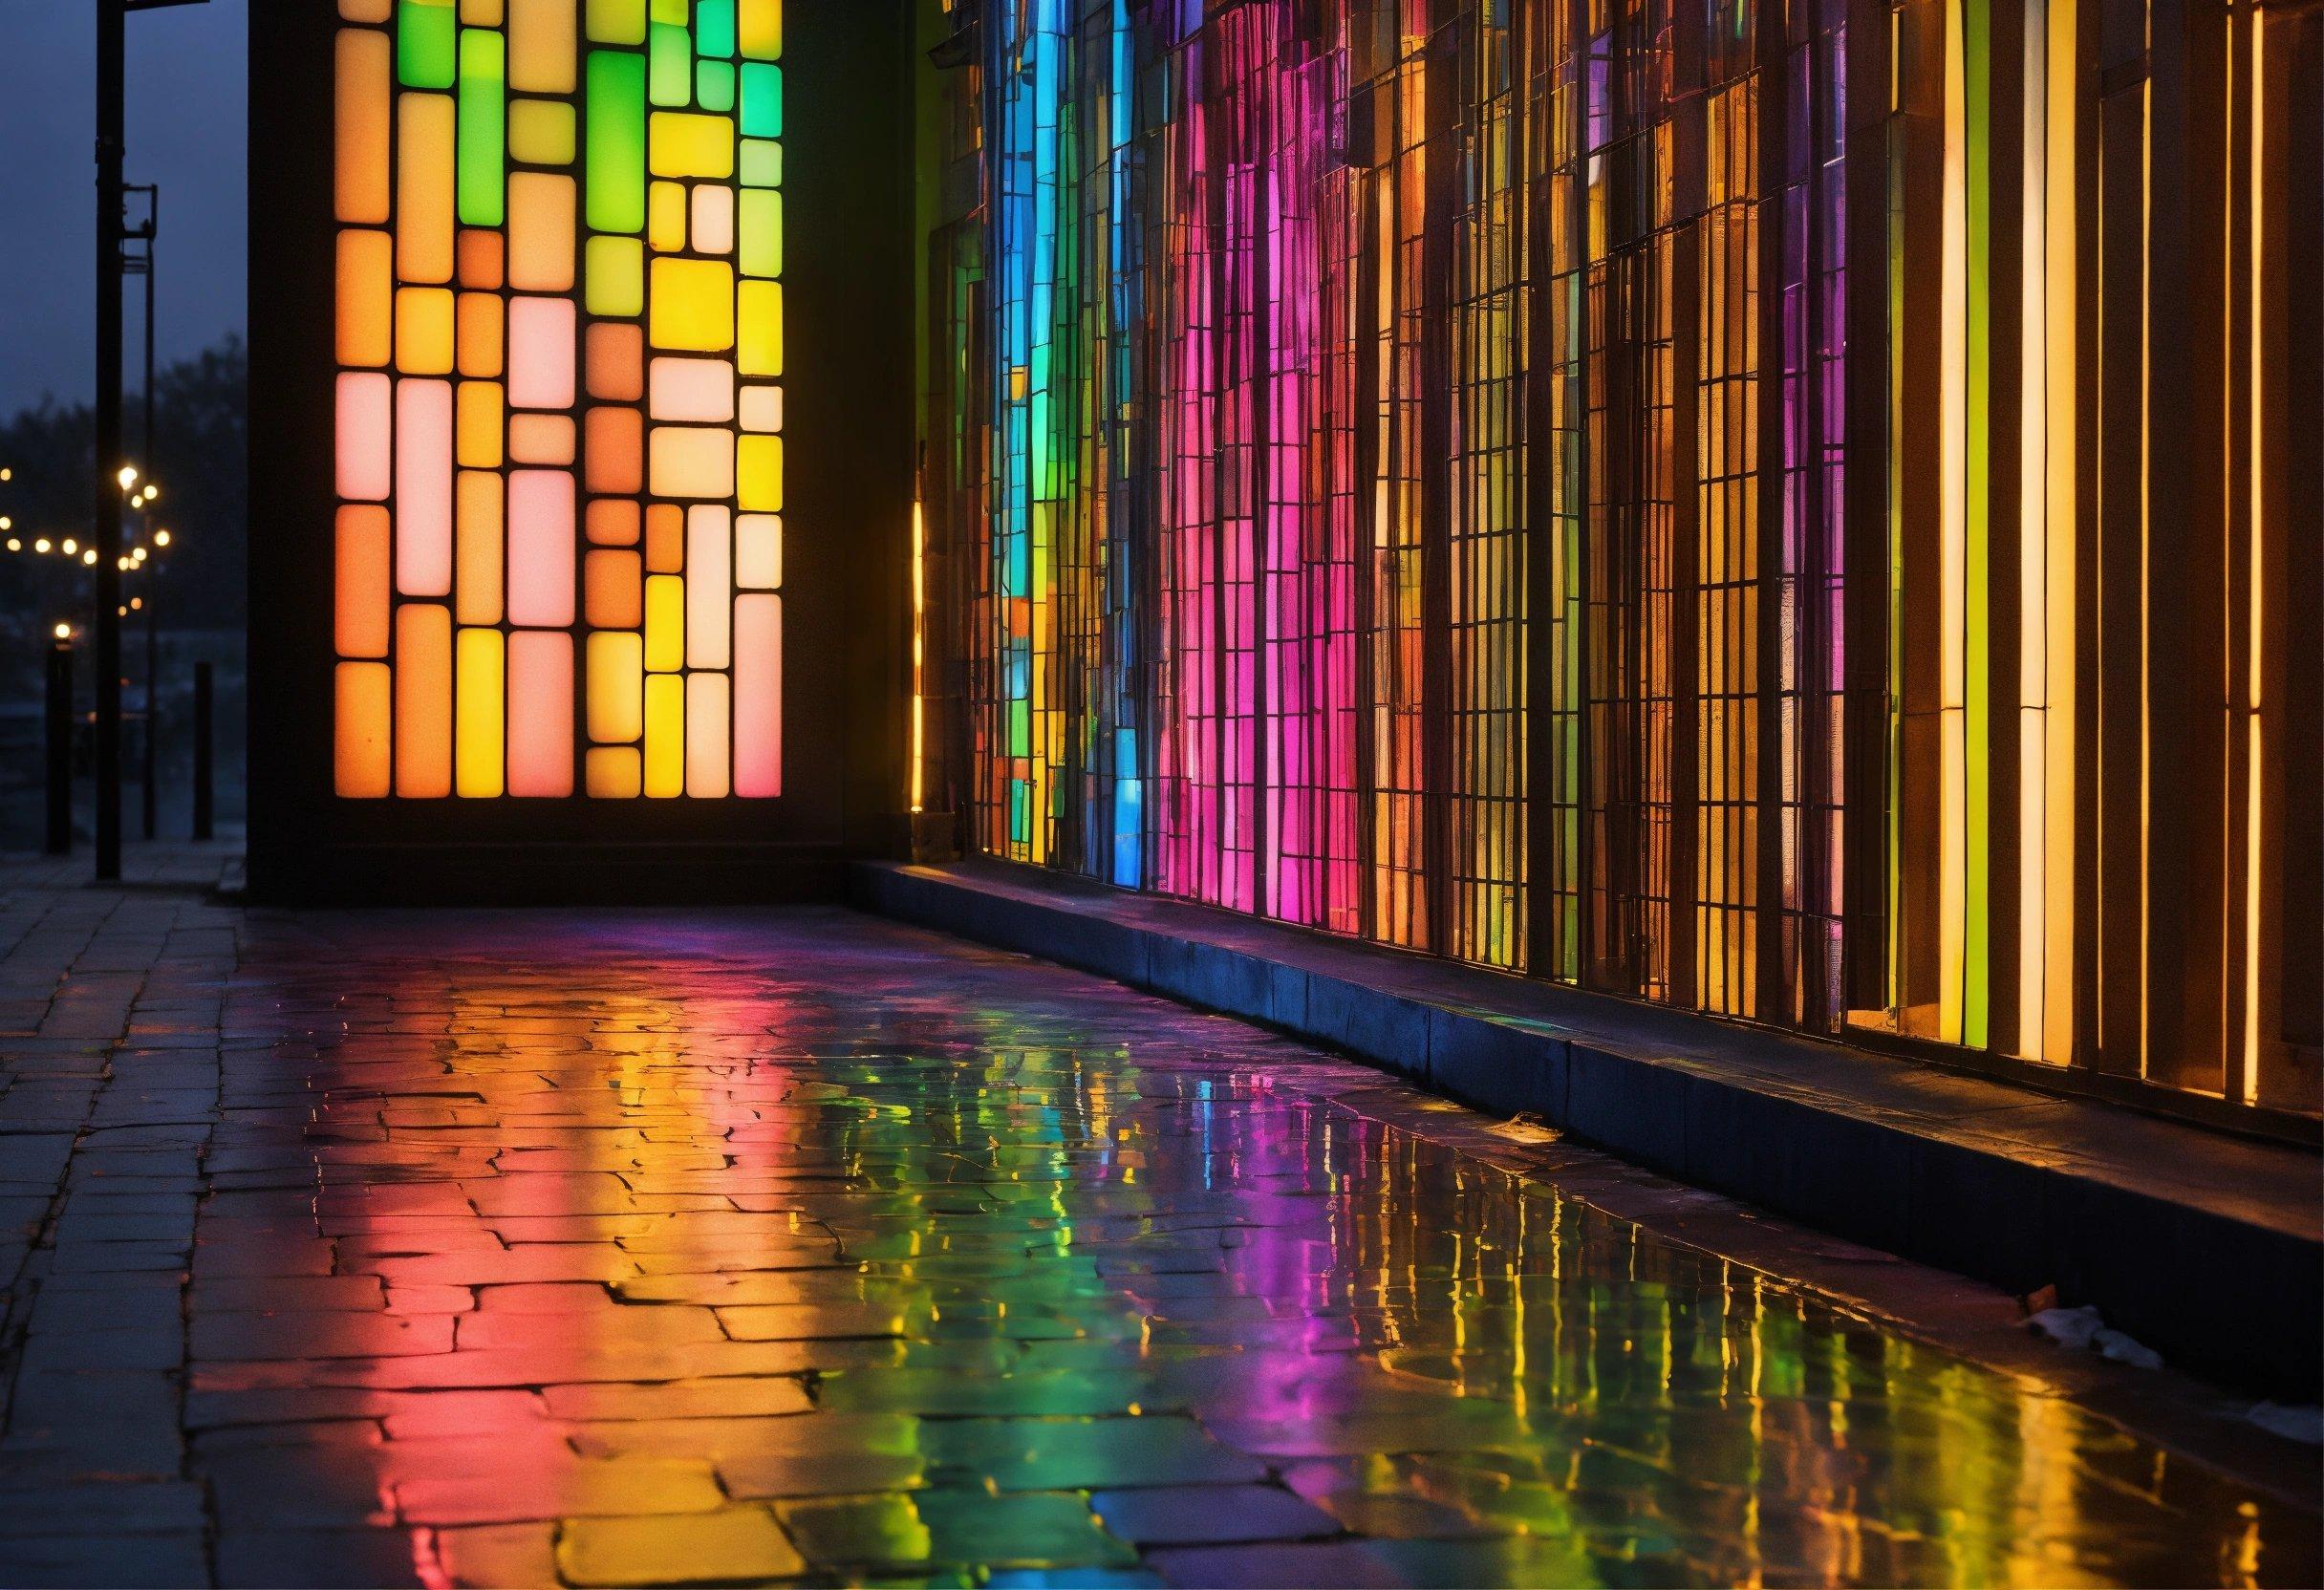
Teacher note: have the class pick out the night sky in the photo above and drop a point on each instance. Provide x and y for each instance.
(187, 79)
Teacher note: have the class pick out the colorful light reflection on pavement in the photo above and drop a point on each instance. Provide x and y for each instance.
(622, 1249)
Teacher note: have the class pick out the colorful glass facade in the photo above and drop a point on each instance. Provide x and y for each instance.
(1790, 510)
(559, 331)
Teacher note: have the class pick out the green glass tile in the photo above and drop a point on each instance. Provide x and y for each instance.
(714, 28)
(761, 100)
(669, 65)
(615, 200)
(426, 43)
(759, 232)
(484, 154)
(713, 85)
(761, 164)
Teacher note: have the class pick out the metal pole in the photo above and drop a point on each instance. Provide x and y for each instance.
(202, 750)
(60, 748)
(153, 695)
(106, 530)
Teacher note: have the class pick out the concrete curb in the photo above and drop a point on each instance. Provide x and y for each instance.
(2206, 1246)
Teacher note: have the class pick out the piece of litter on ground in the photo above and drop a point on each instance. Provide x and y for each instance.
(2304, 1425)
(2086, 1330)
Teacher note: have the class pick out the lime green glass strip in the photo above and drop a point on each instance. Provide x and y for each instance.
(1976, 990)
(669, 65)
(761, 164)
(759, 232)
(761, 100)
(484, 121)
(616, 195)
(426, 43)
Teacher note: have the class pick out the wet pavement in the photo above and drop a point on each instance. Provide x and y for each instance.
(645, 1249)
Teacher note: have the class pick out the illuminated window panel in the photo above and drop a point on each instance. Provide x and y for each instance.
(559, 410)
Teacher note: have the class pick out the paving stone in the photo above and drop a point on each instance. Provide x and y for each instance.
(737, 1543)
(1211, 1515)
(886, 1533)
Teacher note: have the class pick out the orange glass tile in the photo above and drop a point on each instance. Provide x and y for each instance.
(483, 334)
(612, 451)
(365, 553)
(618, 363)
(612, 590)
(614, 522)
(362, 714)
(423, 702)
(479, 553)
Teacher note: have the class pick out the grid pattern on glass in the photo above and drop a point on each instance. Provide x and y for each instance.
(559, 546)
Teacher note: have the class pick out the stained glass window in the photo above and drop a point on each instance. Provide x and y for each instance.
(559, 407)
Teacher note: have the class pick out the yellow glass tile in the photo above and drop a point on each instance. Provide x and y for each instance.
(423, 331)
(707, 737)
(762, 326)
(425, 149)
(360, 126)
(543, 439)
(666, 217)
(665, 774)
(759, 474)
(691, 461)
(616, 277)
(759, 28)
(478, 714)
(614, 773)
(481, 405)
(617, 687)
(540, 232)
(424, 701)
(541, 131)
(482, 13)
(361, 711)
(665, 623)
(542, 45)
(688, 143)
(477, 538)
(366, 271)
(617, 21)
(484, 335)
(692, 307)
